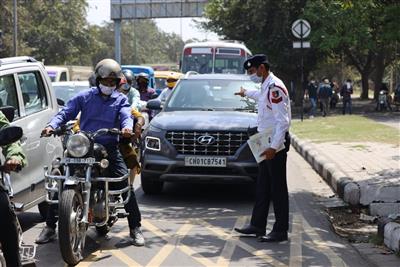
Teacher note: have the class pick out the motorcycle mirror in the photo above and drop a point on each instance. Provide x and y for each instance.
(9, 135)
(9, 112)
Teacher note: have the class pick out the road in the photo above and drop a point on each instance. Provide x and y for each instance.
(191, 225)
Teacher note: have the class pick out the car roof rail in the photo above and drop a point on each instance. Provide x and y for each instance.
(12, 60)
(190, 73)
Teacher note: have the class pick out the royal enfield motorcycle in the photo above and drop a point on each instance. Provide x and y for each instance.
(78, 183)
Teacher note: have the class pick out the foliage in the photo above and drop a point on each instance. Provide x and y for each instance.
(265, 27)
(366, 32)
(57, 33)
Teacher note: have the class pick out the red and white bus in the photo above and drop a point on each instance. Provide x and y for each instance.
(214, 57)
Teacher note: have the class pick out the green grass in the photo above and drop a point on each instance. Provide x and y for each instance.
(352, 128)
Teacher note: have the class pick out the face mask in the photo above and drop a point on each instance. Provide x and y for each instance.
(106, 90)
(170, 85)
(254, 78)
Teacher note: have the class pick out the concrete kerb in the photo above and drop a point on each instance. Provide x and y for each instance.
(344, 186)
(328, 170)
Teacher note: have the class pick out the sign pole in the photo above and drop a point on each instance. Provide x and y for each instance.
(302, 74)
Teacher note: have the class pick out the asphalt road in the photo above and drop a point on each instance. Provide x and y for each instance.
(192, 225)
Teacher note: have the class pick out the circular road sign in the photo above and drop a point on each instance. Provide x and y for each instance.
(301, 28)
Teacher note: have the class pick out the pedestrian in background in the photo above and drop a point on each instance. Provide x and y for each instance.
(346, 92)
(324, 94)
(273, 110)
(311, 92)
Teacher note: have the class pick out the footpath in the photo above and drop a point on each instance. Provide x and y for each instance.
(363, 174)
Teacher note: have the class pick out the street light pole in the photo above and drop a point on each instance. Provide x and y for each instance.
(15, 35)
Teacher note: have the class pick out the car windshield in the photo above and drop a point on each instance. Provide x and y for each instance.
(214, 94)
(66, 92)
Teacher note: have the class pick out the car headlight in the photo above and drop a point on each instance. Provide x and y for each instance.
(78, 145)
(153, 143)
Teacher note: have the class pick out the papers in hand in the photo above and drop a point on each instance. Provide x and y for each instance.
(259, 142)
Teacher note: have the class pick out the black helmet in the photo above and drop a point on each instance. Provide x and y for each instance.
(129, 76)
(142, 75)
(108, 68)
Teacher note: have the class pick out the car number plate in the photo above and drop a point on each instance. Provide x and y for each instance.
(205, 161)
(78, 160)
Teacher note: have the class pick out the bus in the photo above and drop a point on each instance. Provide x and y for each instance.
(214, 57)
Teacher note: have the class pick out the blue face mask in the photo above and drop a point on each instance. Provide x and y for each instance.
(254, 78)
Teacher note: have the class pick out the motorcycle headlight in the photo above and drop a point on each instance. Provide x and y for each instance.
(78, 145)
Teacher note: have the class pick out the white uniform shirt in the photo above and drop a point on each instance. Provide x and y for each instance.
(273, 108)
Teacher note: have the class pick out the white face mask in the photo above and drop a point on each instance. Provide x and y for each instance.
(254, 78)
(106, 90)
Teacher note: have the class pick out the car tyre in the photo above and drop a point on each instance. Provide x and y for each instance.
(150, 186)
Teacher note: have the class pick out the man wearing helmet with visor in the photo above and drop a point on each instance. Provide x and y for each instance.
(100, 107)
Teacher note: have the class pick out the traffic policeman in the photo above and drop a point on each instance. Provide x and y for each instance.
(273, 110)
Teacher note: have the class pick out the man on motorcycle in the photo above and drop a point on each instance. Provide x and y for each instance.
(145, 91)
(132, 95)
(128, 153)
(101, 107)
(8, 223)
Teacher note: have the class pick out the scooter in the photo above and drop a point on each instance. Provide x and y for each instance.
(85, 198)
(8, 136)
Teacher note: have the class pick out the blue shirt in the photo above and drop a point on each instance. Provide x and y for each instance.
(97, 112)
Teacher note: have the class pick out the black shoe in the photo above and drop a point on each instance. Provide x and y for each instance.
(274, 237)
(48, 234)
(251, 230)
(137, 236)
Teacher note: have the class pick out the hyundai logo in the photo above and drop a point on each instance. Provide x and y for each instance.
(206, 140)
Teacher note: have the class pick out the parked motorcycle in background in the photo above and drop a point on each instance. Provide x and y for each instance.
(85, 198)
(383, 101)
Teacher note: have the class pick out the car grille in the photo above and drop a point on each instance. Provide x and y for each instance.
(225, 143)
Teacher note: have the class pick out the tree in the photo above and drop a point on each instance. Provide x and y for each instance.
(366, 32)
(265, 27)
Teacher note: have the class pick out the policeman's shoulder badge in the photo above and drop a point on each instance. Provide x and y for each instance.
(275, 97)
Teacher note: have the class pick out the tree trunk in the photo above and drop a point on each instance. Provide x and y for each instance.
(364, 84)
(379, 72)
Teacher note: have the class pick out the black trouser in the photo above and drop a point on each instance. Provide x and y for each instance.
(272, 186)
(117, 168)
(9, 231)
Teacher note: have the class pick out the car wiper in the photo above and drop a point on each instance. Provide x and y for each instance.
(207, 109)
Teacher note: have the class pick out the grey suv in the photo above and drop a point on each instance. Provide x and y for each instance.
(201, 134)
(25, 85)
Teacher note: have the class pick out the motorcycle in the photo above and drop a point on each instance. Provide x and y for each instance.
(382, 101)
(84, 195)
(10, 135)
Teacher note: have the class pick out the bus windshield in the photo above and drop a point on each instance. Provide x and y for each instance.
(201, 63)
(223, 58)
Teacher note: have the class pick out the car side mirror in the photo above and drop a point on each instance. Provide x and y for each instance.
(60, 102)
(9, 112)
(9, 135)
(154, 104)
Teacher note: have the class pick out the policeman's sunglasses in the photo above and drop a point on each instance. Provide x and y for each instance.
(171, 80)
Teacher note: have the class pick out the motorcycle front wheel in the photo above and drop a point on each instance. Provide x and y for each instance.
(72, 231)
